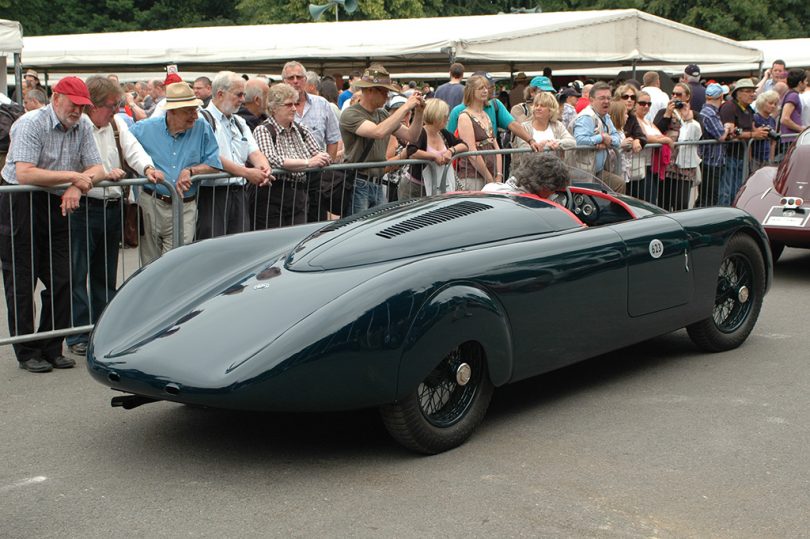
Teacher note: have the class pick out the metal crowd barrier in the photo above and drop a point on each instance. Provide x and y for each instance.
(331, 192)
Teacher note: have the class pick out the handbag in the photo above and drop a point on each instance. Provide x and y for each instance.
(436, 181)
(133, 215)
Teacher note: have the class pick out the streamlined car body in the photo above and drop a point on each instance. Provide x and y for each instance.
(422, 307)
(779, 198)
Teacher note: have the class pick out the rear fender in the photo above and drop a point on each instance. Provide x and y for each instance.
(455, 315)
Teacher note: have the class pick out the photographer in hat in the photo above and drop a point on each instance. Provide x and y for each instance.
(366, 128)
(181, 145)
(738, 117)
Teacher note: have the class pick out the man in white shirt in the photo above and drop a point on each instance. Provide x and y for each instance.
(222, 205)
(805, 100)
(95, 227)
(660, 100)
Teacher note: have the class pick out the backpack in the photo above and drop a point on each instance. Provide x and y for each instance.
(8, 115)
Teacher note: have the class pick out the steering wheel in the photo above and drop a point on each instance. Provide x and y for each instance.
(582, 205)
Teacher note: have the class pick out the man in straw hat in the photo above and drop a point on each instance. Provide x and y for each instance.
(181, 145)
(366, 127)
(50, 147)
(738, 117)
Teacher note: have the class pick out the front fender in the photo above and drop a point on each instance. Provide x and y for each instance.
(454, 315)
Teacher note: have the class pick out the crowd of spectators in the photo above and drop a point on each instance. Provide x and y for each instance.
(626, 133)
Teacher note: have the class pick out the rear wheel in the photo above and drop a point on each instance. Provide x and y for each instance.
(446, 407)
(738, 298)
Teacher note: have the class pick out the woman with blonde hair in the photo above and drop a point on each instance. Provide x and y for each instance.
(476, 131)
(435, 143)
(545, 127)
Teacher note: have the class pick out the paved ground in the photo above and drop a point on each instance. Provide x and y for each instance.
(658, 440)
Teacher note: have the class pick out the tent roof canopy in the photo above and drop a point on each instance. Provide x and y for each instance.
(556, 39)
(11, 39)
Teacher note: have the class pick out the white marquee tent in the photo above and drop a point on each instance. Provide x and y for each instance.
(506, 42)
(11, 43)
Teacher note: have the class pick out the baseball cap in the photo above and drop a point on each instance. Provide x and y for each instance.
(543, 83)
(692, 70)
(74, 89)
(714, 90)
(570, 92)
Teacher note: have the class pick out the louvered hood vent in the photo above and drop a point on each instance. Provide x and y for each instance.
(433, 217)
(424, 226)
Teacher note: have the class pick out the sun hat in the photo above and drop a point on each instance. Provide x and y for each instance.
(742, 84)
(376, 77)
(180, 95)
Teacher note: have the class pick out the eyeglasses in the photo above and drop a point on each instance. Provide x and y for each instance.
(677, 94)
(631, 97)
(644, 103)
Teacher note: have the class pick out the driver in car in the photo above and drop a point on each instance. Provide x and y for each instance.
(540, 174)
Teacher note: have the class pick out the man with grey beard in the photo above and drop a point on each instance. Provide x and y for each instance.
(222, 205)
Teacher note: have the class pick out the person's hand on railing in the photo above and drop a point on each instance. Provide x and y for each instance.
(536, 146)
(154, 175)
(636, 145)
(115, 174)
(70, 200)
(258, 176)
(183, 181)
(82, 182)
(627, 144)
(320, 159)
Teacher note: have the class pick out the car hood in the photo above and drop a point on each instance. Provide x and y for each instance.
(419, 227)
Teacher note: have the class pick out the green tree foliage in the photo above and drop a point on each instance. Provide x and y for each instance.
(738, 19)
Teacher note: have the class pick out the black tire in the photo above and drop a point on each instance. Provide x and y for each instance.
(440, 414)
(738, 300)
(776, 250)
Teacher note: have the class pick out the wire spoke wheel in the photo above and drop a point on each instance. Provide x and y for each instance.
(446, 406)
(732, 305)
(738, 297)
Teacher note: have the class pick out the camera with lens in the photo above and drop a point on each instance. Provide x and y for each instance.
(737, 131)
(678, 104)
(772, 134)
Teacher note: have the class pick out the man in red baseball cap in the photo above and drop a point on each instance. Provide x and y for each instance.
(51, 147)
(70, 98)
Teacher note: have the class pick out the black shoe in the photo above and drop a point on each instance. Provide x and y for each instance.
(62, 362)
(80, 348)
(36, 365)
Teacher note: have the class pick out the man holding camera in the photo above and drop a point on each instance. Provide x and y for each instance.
(738, 117)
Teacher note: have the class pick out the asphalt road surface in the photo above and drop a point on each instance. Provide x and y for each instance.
(656, 440)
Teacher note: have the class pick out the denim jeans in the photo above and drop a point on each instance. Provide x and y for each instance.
(367, 195)
(731, 181)
(95, 236)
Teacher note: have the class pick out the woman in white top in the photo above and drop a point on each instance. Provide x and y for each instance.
(545, 127)
(657, 158)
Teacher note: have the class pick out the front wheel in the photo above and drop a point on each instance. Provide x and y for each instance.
(738, 298)
(446, 407)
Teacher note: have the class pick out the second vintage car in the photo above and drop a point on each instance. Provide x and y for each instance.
(779, 198)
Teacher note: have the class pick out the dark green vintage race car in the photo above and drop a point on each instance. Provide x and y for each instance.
(422, 307)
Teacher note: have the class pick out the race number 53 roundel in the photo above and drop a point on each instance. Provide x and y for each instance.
(656, 248)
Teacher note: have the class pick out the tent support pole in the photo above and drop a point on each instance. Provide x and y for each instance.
(512, 73)
(18, 78)
(634, 69)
